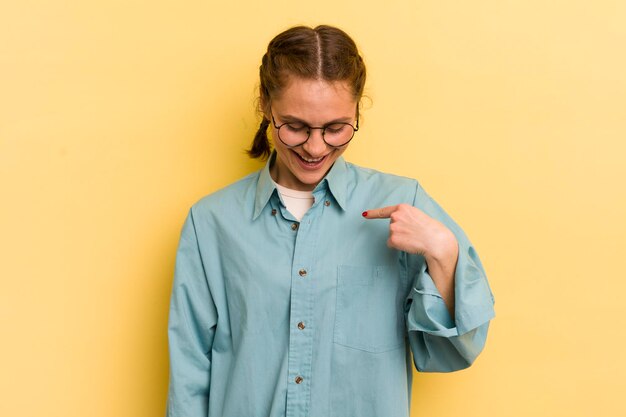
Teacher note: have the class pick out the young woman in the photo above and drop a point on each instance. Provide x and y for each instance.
(311, 287)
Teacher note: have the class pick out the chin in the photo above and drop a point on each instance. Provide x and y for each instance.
(310, 180)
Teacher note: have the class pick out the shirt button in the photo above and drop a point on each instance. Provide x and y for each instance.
(301, 326)
(273, 212)
(299, 379)
(327, 203)
(294, 226)
(302, 272)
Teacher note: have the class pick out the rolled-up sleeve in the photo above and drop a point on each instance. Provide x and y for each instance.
(192, 321)
(440, 343)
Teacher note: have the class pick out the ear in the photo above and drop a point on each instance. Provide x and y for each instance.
(264, 105)
(265, 112)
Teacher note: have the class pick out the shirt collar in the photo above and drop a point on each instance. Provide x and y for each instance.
(264, 189)
(335, 180)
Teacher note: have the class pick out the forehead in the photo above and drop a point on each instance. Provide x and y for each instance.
(315, 100)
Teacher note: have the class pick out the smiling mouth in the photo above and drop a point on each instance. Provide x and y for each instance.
(310, 162)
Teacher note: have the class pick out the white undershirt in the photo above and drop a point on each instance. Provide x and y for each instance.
(297, 202)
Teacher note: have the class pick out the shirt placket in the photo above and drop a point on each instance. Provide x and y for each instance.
(301, 326)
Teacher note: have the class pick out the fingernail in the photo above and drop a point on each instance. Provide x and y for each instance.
(365, 214)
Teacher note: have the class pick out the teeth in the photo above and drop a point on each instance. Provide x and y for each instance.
(311, 160)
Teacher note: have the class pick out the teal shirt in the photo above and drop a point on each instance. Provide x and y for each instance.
(320, 318)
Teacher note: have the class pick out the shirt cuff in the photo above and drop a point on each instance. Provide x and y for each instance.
(426, 311)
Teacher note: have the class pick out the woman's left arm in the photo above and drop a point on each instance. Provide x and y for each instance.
(413, 231)
(450, 303)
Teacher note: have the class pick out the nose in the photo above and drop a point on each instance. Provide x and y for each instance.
(315, 146)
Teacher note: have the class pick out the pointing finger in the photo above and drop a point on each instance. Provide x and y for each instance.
(380, 213)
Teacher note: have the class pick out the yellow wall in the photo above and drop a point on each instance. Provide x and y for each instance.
(115, 116)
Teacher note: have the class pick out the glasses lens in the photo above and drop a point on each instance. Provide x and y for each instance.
(293, 133)
(337, 134)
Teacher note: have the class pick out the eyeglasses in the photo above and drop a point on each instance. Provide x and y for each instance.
(335, 134)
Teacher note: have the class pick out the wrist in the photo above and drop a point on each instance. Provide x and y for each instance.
(443, 248)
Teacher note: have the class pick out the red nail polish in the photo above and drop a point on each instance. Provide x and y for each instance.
(365, 214)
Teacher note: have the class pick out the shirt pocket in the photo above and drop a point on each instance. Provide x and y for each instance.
(369, 314)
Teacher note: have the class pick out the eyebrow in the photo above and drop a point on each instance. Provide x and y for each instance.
(289, 119)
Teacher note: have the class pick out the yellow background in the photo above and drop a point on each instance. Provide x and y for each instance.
(116, 116)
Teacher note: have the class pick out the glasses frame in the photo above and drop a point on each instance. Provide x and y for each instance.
(322, 128)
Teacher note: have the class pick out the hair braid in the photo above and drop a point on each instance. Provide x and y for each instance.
(261, 145)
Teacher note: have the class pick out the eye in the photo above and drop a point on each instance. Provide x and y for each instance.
(336, 128)
(296, 127)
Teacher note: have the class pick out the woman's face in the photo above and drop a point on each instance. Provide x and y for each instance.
(315, 103)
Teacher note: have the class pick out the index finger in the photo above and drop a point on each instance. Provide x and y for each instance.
(380, 213)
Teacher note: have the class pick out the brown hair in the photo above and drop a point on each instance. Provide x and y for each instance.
(323, 53)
